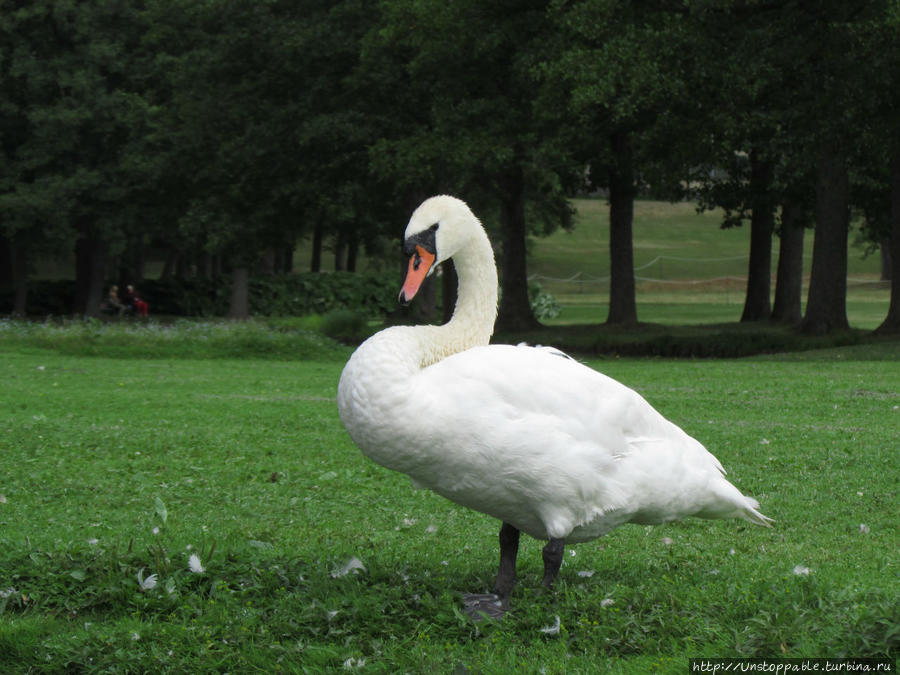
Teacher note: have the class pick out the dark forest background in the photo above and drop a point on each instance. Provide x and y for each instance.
(220, 133)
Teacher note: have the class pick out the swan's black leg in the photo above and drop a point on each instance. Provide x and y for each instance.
(553, 555)
(506, 574)
(494, 605)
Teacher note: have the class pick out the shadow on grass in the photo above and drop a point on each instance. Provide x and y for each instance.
(728, 340)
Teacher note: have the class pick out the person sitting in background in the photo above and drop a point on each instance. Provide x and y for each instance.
(113, 304)
(140, 307)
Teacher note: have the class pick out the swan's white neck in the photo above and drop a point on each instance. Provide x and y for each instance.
(375, 385)
(472, 323)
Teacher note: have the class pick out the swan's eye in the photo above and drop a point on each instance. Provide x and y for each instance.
(423, 240)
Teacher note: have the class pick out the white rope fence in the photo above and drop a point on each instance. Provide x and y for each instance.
(581, 278)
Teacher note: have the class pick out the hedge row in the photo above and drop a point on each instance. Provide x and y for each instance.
(283, 295)
(710, 341)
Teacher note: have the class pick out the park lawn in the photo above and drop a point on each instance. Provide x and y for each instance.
(688, 270)
(866, 308)
(672, 242)
(115, 468)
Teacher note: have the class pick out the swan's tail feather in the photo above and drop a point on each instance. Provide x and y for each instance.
(757, 518)
(729, 502)
(751, 513)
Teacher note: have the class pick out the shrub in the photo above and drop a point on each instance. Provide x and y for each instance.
(284, 295)
(312, 293)
(44, 298)
(344, 325)
(544, 305)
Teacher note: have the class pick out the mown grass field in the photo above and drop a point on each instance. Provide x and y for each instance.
(689, 270)
(118, 464)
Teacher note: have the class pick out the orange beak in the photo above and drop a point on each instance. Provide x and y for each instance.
(419, 264)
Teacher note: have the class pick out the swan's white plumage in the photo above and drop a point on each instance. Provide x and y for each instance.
(538, 441)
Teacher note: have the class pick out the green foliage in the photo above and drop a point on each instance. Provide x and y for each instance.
(544, 305)
(345, 325)
(283, 295)
(471, 77)
(231, 122)
(76, 122)
(45, 298)
(312, 293)
(231, 128)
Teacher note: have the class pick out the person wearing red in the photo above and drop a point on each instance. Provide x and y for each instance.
(140, 307)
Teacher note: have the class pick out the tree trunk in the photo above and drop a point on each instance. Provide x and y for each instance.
(266, 264)
(204, 265)
(168, 270)
(14, 272)
(131, 262)
(622, 300)
(239, 307)
(90, 271)
(789, 282)
(515, 309)
(757, 304)
(7, 278)
(340, 253)
(183, 267)
(826, 304)
(449, 284)
(884, 248)
(891, 323)
(287, 258)
(352, 252)
(20, 281)
(315, 264)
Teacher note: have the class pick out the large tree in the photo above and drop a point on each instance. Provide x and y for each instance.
(795, 217)
(876, 175)
(344, 107)
(826, 305)
(237, 95)
(73, 120)
(790, 78)
(839, 49)
(475, 64)
(623, 64)
(745, 153)
(891, 323)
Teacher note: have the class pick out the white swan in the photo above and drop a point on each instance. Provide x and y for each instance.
(527, 435)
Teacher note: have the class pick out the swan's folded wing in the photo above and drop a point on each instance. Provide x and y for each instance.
(507, 427)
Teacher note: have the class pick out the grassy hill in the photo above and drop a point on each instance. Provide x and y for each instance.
(689, 270)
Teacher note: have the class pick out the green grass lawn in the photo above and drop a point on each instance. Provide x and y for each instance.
(117, 470)
(689, 270)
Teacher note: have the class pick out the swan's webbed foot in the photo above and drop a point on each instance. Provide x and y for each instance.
(495, 605)
(480, 606)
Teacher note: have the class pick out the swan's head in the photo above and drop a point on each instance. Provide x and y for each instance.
(437, 230)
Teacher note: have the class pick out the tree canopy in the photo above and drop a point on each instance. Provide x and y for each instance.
(223, 131)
